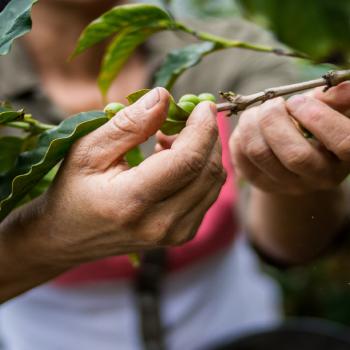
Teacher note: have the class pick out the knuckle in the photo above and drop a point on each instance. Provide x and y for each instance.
(267, 119)
(184, 239)
(298, 158)
(343, 149)
(155, 228)
(106, 213)
(215, 170)
(313, 112)
(268, 111)
(210, 129)
(162, 229)
(134, 210)
(257, 151)
(155, 235)
(247, 120)
(188, 235)
(127, 121)
(194, 162)
(248, 114)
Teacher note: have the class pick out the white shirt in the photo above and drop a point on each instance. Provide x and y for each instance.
(215, 299)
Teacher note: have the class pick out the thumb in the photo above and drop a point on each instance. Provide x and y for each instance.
(337, 97)
(130, 127)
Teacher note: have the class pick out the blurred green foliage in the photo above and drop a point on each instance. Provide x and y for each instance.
(199, 8)
(318, 28)
(321, 289)
(207, 8)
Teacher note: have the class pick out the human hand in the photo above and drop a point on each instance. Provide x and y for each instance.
(98, 207)
(271, 153)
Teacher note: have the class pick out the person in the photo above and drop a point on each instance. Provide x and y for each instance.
(97, 208)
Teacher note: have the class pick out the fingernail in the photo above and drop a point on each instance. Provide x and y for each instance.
(213, 108)
(296, 100)
(152, 98)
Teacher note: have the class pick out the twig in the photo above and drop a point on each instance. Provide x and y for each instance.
(33, 128)
(237, 103)
(223, 43)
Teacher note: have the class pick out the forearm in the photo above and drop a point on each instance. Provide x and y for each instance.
(25, 259)
(295, 229)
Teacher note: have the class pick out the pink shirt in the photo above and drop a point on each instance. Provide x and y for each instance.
(216, 232)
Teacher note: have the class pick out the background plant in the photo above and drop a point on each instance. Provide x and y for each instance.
(31, 157)
(319, 32)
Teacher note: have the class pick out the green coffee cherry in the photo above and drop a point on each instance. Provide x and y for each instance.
(113, 108)
(206, 96)
(187, 106)
(190, 98)
(172, 111)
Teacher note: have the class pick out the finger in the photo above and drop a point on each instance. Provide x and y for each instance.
(158, 148)
(167, 233)
(129, 128)
(256, 148)
(168, 171)
(187, 225)
(247, 169)
(195, 199)
(169, 211)
(330, 127)
(213, 175)
(292, 149)
(164, 140)
(337, 97)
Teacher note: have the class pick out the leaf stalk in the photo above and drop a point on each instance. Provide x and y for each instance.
(225, 43)
(237, 103)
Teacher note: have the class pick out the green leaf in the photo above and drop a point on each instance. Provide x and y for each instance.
(118, 52)
(176, 119)
(41, 187)
(7, 114)
(176, 113)
(322, 29)
(134, 16)
(132, 25)
(135, 96)
(172, 127)
(10, 148)
(134, 157)
(51, 148)
(43, 184)
(15, 21)
(178, 61)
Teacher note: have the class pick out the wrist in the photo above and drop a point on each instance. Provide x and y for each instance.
(24, 258)
(286, 193)
(296, 228)
(26, 238)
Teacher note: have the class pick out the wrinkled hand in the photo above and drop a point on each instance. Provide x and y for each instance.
(271, 153)
(99, 207)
